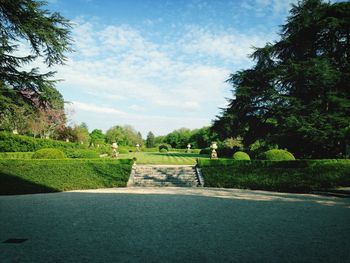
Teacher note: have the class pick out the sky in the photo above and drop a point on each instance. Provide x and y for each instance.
(159, 65)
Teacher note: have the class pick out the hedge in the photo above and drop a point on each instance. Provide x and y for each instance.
(241, 156)
(10, 142)
(278, 155)
(49, 153)
(284, 176)
(16, 155)
(42, 176)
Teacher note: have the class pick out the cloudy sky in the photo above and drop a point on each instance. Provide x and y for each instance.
(159, 65)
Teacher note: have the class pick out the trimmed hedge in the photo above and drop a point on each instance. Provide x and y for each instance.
(10, 142)
(16, 155)
(49, 153)
(42, 176)
(241, 156)
(81, 153)
(284, 176)
(278, 155)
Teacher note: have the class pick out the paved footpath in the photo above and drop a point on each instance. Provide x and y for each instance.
(174, 225)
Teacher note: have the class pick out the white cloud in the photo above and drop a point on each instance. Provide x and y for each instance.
(117, 65)
(232, 47)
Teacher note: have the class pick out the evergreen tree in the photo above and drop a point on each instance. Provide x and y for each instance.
(46, 33)
(298, 93)
(150, 140)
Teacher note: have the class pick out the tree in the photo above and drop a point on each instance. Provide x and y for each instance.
(126, 135)
(46, 33)
(97, 137)
(150, 141)
(297, 94)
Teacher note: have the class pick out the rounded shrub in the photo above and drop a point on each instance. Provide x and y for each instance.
(163, 150)
(49, 153)
(278, 155)
(242, 156)
(163, 146)
(82, 153)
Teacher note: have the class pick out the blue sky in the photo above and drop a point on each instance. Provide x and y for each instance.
(159, 65)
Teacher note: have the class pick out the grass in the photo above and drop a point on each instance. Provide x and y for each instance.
(285, 176)
(41, 176)
(163, 158)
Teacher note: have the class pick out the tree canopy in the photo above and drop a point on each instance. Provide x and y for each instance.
(47, 34)
(297, 93)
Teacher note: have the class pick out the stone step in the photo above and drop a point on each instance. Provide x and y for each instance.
(162, 175)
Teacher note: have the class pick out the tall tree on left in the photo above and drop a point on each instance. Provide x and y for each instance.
(46, 34)
(26, 26)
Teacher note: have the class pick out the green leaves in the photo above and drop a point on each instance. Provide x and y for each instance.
(298, 93)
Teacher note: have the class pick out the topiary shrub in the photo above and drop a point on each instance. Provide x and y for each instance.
(49, 153)
(242, 156)
(278, 155)
(81, 153)
(163, 150)
(163, 146)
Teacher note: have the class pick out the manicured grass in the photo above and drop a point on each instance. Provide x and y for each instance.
(41, 176)
(285, 176)
(163, 158)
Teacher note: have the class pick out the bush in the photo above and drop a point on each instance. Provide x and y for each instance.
(241, 156)
(16, 155)
(163, 150)
(81, 153)
(49, 153)
(225, 152)
(206, 151)
(285, 176)
(123, 150)
(164, 146)
(278, 155)
(10, 142)
(41, 176)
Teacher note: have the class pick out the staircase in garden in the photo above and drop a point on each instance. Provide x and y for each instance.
(163, 175)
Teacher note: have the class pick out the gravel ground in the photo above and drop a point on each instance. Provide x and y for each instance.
(174, 225)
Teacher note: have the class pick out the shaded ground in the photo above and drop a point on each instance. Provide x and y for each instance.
(174, 225)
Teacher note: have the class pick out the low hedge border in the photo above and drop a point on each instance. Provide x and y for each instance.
(42, 176)
(301, 176)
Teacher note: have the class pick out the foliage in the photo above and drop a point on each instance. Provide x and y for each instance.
(124, 136)
(164, 146)
(283, 176)
(150, 140)
(97, 137)
(47, 35)
(241, 156)
(205, 151)
(81, 153)
(36, 176)
(163, 150)
(49, 153)
(278, 155)
(296, 95)
(198, 138)
(10, 142)
(16, 155)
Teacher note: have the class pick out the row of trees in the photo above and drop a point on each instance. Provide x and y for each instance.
(297, 95)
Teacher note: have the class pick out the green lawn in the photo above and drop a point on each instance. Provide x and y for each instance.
(163, 158)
